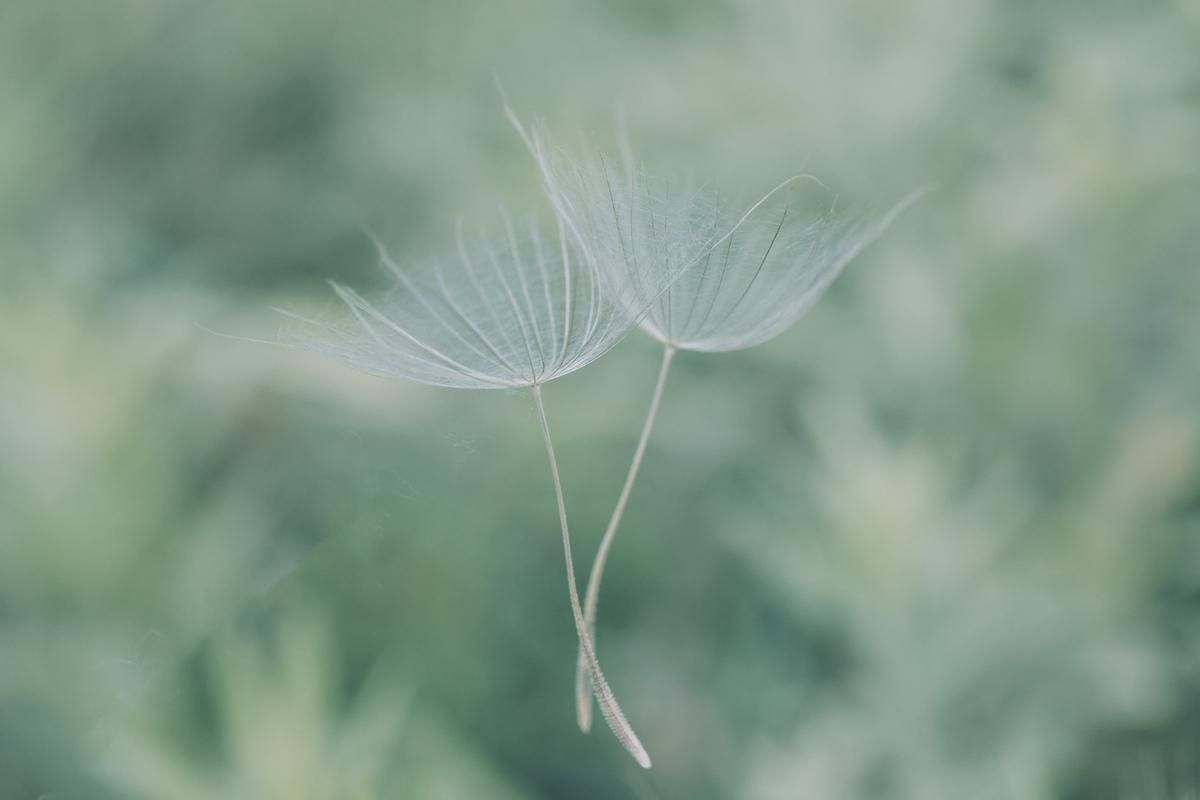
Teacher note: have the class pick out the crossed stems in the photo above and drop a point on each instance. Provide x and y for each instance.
(604, 696)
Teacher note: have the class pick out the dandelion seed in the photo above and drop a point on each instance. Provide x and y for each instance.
(743, 278)
(516, 312)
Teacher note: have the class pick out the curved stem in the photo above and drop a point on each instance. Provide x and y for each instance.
(604, 696)
(583, 697)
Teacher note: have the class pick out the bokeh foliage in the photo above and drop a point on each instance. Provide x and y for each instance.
(941, 540)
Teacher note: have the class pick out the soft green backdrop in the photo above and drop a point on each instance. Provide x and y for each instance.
(940, 540)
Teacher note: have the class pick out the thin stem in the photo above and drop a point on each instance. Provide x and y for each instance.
(604, 696)
(583, 697)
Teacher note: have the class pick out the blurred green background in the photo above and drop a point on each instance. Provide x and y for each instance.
(940, 540)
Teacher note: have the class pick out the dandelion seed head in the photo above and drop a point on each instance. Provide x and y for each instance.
(516, 309)
(737, 274)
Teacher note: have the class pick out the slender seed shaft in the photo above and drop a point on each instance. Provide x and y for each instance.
(604, 696)
(583, 695)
